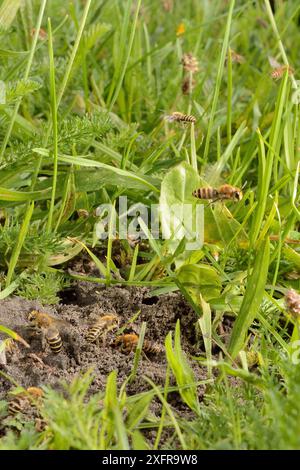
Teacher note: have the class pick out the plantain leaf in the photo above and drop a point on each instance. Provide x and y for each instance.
(200, 280)
(176, 199)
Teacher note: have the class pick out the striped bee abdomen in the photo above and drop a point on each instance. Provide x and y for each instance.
(17, 405)
(54, 340)
(151, 347)
(180, 117)
(93, 334)
(102, 325)
(206, 193)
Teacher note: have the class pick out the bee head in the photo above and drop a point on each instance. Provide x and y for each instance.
(238, 195)
(33, 315)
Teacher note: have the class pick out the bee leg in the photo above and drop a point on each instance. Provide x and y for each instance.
(104, 337)
(212, 202)
(145, 356)
(43, 341)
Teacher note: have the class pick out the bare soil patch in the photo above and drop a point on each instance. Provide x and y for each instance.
(80, 307)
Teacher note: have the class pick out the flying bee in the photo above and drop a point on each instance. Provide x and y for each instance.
(180, 117)
(280, 71)
(129, 342)
(50, 328)
(24, 399)
(226, 191)
(102, 325)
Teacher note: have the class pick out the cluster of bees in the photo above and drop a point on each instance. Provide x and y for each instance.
(50, 326)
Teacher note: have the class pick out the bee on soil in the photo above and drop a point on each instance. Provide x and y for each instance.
(50, 328)
(224, 192)
(24, 399)
(54, 339)
(180, 117)
(102, 325)
(129, 342)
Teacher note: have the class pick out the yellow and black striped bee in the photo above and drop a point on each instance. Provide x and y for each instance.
(180, 117)
(129, 342)
(224, 192)
(54, 339)
(24, 399)
(50, 328)
(102, 325)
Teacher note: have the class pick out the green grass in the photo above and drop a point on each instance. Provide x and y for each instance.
(81, 124)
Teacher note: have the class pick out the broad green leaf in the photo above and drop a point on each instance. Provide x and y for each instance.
(22, 196)
(292, 256)
(8, 11)
(200, 280)
(218, 225)
(141, 180)
(252, 299)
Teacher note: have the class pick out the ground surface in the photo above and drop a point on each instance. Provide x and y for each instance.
(83, 304)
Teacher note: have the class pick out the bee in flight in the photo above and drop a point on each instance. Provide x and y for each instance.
(102, 325)
(278, 72)
(226, 191)
(180, 117)
(50, 328)
(129, 342)
(24, 399)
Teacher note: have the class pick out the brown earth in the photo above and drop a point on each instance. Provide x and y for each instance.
(80, 306)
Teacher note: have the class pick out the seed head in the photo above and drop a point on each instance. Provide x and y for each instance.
(190, 63)
(292, 300)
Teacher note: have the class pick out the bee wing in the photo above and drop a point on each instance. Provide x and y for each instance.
(61, 323)
(273, 62)
(212, 175)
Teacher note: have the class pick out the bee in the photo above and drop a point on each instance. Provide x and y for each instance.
(236, 58)
(24, 399)
(103, 324)
(54, 339)
(180, 117)
(279, 69)
(50, 327)
(42, 33)
(278, 72)
(128, 343)
(226, 191)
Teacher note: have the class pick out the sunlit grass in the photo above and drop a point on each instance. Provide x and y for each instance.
(83, 123)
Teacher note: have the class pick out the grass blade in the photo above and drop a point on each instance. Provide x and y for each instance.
(252, 299)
